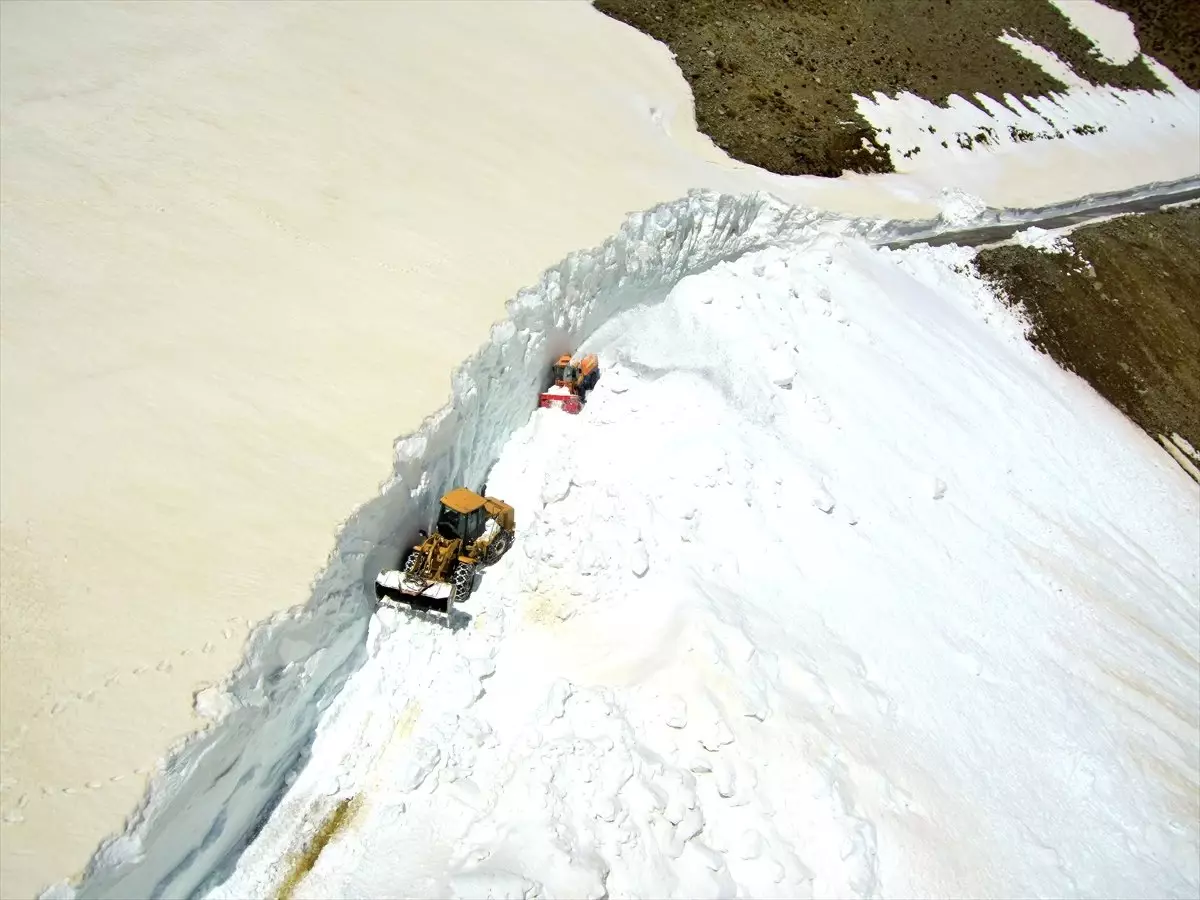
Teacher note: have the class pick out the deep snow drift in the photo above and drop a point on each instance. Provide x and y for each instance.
(834, 588)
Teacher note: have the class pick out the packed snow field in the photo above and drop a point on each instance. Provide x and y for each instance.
(834, 588)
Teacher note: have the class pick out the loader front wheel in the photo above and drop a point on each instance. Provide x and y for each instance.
(464, 580)
(498, 547)
(412, 563)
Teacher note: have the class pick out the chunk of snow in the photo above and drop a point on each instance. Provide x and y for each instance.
(559, 694)
(422, 760)
(482, 668)
(1041, 239)
(960, 208)
(557, 483)
(781, 370)
(639, 558)
(823, 500)
(750, 844)
(212, 703)
(1067, 143)
(677, 712)
(389, 579)
(716, 736)
(1048, 61)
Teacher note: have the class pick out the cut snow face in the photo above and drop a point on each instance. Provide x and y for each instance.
(835, 588)
(223, 782)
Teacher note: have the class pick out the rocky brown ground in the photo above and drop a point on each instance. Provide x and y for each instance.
(774, 79)
(1122, 312)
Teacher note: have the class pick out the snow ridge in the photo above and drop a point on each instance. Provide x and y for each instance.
(699, 673)
(223, 783)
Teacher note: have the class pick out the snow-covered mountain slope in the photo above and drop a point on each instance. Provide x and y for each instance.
(834, 588)
(221, 783)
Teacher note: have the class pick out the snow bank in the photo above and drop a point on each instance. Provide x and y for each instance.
(835, 588)
(222, 784)
(212, 793)
(958, 208)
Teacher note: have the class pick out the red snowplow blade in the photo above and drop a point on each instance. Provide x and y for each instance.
(566, 402)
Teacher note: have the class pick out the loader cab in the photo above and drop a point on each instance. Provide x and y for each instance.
(450, 523)
(562, 370)
(462, 516)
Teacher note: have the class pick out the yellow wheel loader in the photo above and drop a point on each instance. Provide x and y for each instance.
(471, 531)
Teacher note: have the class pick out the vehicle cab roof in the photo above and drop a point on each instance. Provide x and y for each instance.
(462, 500)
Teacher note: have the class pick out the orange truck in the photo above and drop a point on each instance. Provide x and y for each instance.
(572, 381)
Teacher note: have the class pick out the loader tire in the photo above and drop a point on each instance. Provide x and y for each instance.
(498, 547)
(464, 580)
(412, 563)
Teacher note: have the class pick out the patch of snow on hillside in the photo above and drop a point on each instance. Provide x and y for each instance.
(1041, 239)
(834, 588)
(1110, 30)
(971, 144)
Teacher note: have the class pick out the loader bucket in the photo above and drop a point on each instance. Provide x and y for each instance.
(394, 597)
(394, 588)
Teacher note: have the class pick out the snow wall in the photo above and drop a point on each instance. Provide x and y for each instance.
(215, 790)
